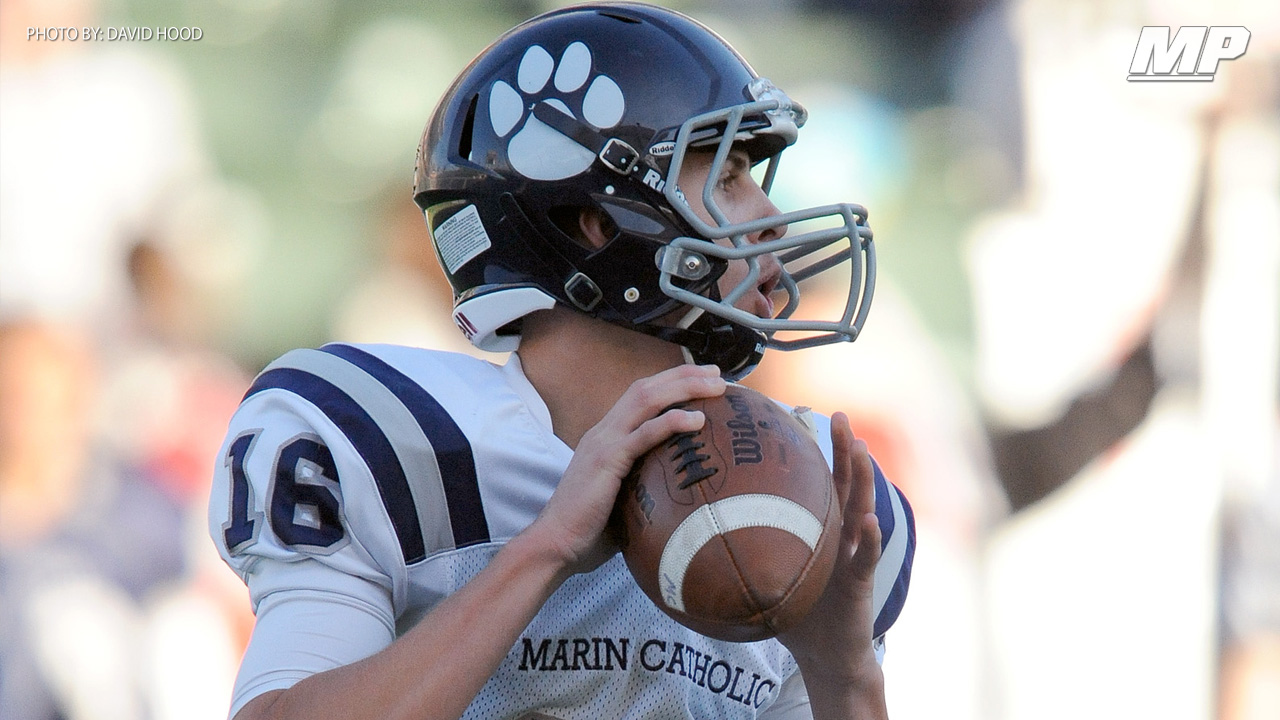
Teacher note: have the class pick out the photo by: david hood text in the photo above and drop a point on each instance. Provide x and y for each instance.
(115, 34)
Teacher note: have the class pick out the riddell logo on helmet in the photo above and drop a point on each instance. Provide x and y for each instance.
(653, 180)
(662, 149)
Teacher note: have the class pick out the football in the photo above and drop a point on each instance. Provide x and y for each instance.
(732, 530)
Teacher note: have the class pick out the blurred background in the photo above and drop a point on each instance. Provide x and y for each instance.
(1072, 365)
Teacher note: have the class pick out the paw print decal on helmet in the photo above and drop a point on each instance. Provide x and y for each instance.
(538, 151)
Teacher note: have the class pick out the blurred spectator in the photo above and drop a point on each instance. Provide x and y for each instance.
(96, 141)
(84, 538)
(178, 395)
(115, 236)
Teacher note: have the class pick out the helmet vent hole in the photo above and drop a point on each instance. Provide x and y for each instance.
(623, 18)
(468, 125)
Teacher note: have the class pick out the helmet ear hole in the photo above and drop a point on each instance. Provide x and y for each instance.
(589, 227)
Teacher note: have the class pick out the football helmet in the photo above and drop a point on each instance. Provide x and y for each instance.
(597, 106)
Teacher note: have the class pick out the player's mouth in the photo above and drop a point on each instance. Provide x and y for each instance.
(766, 289)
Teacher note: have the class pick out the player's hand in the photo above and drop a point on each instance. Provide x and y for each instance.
(833, 644)
(574, 518)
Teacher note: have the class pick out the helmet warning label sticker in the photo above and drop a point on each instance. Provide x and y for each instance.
(460, 238)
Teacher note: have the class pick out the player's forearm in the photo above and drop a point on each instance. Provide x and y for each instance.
(839, 697)
(436, 669)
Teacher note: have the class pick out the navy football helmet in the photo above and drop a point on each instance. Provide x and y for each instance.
(596, 106)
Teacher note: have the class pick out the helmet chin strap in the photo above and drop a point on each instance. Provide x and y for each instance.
(693, 314)
(708, 339)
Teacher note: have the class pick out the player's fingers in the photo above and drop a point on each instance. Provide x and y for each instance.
(651, 432)
(854, 464)
(864, 474)
(613, 451)
(648, 397)
(861, 490)
(867, 553)
(842, 465)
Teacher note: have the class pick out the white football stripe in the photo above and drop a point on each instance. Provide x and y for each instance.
(722, 516)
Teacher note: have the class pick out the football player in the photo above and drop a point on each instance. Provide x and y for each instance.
(423, 533)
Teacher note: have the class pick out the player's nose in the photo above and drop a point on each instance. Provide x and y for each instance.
(763, 207)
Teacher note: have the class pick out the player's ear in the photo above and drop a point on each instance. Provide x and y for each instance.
(596, 228)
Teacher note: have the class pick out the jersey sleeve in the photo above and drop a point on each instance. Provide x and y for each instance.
(289, 490)
(311, 505)
(299, 633)
(897, 552)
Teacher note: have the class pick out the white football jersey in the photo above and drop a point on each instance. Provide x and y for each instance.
(360, 485)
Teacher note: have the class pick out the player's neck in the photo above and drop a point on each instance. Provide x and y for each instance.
(581, 366)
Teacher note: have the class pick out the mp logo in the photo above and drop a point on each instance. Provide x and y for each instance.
(1195, 50)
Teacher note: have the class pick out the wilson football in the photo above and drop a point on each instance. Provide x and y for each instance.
(732, 530)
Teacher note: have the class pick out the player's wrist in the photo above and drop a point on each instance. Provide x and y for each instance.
(837, 691)
(543, 545)
(861, 672)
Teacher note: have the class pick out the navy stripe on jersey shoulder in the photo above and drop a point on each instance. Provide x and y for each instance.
(897, 597)
(452, 449)
(369, 441)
